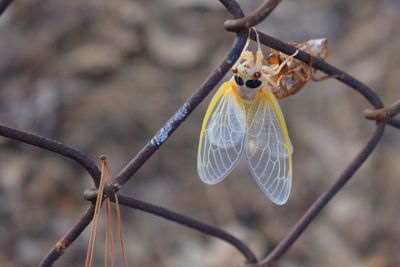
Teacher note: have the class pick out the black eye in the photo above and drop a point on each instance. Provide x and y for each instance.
(253, 84)
(239, 80)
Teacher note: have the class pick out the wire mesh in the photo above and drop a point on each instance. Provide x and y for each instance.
(239, 24)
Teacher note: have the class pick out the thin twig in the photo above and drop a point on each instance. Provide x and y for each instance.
(96, 215)
(120, 233)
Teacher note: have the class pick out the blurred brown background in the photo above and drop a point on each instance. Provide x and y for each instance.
(103, 77)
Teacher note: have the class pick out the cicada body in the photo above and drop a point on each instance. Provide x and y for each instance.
(244, 117)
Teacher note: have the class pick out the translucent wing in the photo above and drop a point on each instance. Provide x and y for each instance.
(268, 148)
(222, 135)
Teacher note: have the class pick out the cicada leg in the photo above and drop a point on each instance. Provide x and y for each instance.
(272, 71)
(271, 81)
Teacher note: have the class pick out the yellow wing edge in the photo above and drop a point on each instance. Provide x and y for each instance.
(275, 106)
(224, 89)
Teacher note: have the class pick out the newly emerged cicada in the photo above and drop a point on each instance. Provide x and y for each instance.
(295, 74)
(244, 117)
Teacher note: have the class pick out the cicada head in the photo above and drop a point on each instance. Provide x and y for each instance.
(247, 74)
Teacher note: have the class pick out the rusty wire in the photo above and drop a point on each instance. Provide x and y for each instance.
(383, 113)
(240, 25)
(4, 5)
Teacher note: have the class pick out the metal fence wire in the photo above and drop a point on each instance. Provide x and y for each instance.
(239, 25)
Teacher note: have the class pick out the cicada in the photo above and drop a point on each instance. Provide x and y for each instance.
(295, 74)
(244, 117)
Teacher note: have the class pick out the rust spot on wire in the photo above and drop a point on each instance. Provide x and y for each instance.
(61, 246)
(383, 113)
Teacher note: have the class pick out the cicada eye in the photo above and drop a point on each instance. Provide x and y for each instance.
(234, 70)
(239, 80)
(253, 84)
